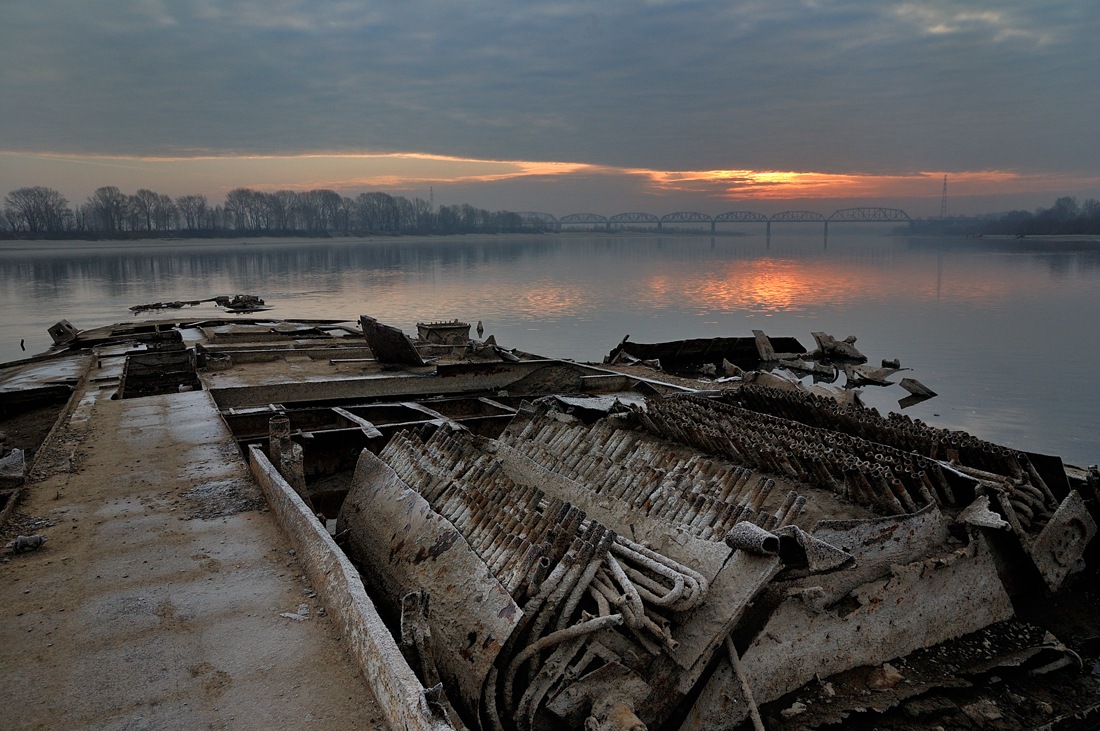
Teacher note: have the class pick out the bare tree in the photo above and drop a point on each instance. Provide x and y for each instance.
(283, 209)
(109, 208)
(142, 205)
(1065, 208)
(330, 203)
(376, 212)
(165, 214)
(36, 209)
(192, 210)
(246, 209)
(422, 215)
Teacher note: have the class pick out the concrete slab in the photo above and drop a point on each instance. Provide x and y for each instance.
(137, 615)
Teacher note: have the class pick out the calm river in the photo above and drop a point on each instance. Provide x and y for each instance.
(1007, 332)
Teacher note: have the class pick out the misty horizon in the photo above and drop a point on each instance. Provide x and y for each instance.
(661, 105)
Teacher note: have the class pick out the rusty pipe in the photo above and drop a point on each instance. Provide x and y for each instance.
(795, 511)
(746, 536)
(648, 588)
(630, 592)
(578, 630)
(697, 584)
(603, 545)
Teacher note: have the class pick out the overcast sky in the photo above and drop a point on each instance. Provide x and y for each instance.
(606, 106)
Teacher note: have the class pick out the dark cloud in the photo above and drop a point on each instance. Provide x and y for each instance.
(849, 86)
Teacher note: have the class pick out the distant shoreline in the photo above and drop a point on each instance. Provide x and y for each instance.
(10, 244)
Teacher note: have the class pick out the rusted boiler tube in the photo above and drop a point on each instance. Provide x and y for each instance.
(746, 536)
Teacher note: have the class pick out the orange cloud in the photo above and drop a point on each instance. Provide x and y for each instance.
(781, 185)
(351, 172)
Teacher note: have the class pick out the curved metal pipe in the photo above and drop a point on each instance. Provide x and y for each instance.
(554, 638)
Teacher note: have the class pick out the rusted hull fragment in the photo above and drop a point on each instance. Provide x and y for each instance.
(412, 549)
(693, 354)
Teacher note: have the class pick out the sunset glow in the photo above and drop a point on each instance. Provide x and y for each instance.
(783, 185)
(463, 179)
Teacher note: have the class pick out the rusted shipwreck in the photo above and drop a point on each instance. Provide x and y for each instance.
(555, 545)
(620, 570)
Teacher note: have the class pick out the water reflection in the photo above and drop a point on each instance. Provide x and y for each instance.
(1003, 330)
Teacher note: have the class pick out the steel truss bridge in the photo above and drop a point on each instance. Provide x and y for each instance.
(547, 221)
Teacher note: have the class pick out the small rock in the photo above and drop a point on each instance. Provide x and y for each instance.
(22, 544)
(300, 615)
(798, 707)
(982, 712)
(884, 678)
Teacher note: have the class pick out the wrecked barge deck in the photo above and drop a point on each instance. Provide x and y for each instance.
(588, 547)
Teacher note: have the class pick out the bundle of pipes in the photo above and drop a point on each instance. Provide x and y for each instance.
(703, 496)
(883, 478)
(896, 430)
(1003, 472)
(574, 579)
(514, 529)
(517, 530)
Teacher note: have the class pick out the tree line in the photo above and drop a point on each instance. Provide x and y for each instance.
(1065, 217)
(110, 213)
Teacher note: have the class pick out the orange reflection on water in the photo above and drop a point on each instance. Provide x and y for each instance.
(549, 300)
(764, 285)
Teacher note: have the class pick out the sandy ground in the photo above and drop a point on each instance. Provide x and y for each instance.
(158, 600)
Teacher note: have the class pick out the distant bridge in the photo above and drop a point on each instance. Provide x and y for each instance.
(648, 220)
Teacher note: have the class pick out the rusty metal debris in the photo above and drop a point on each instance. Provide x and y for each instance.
(240, 303)
(623, 553)
(166, 365)
(561, 546)
(842, 350)
(452, 332)
(389, 344)
(918, 392)
(24, 544)
(691, 355)
(865, 375)
(62, 332)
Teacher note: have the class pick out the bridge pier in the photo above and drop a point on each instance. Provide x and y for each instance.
(769, 231)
